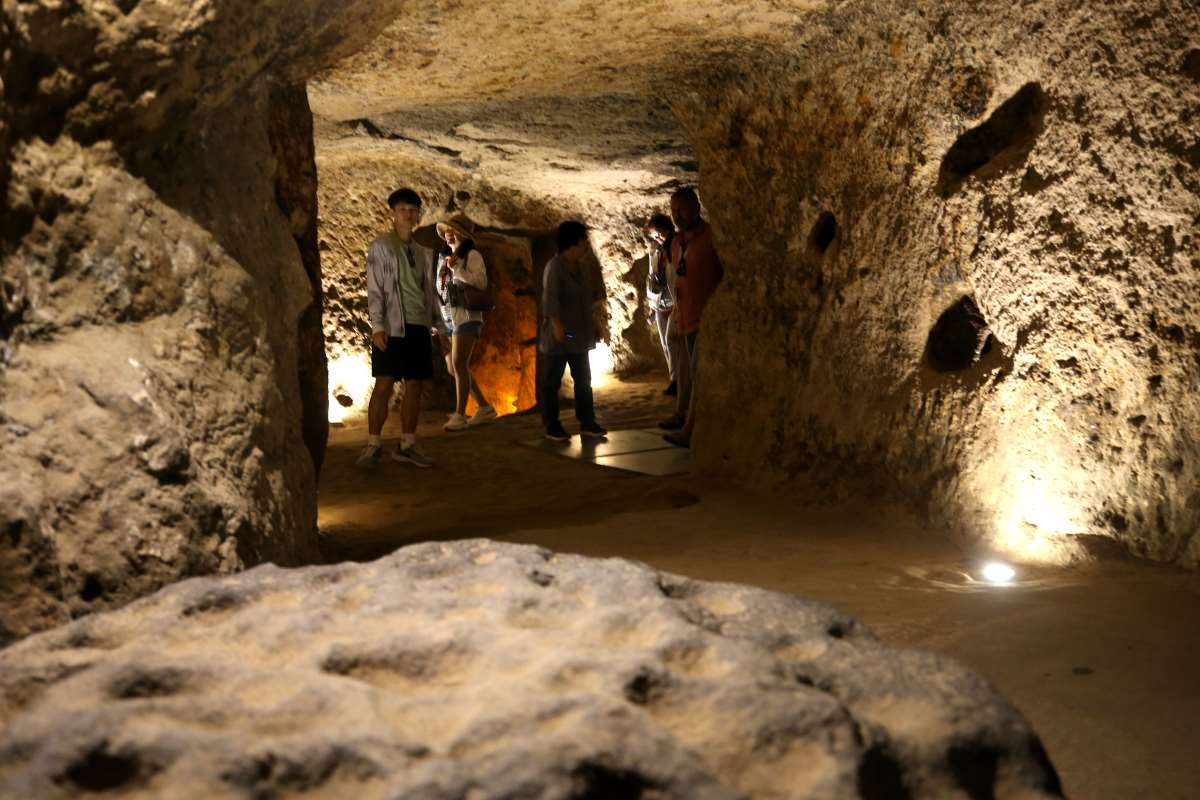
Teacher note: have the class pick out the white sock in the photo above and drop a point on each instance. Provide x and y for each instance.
(373, 440)
(407, 440)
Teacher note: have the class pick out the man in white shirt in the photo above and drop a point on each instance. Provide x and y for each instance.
(402, 307)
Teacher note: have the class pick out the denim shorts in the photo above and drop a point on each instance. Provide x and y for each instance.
(471, 327)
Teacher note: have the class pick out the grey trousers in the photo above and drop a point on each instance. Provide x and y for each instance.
(674, 349)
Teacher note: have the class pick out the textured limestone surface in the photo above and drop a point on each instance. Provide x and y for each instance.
(1041, 161)
(161, 397)
(472, 50)
(488, 670)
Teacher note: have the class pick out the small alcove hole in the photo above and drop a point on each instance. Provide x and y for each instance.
(824, 231)
(92, 588)
(1191, 64)
(880, 776)
(103, 771)
(959, 338)
(1001, 141)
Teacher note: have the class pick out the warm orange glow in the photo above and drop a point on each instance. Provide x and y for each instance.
(503, 402)
(1040, 518)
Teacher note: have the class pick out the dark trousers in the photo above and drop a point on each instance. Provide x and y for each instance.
(552, 373)
(686, 373)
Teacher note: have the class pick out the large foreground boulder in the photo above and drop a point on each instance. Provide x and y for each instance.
(485, 670)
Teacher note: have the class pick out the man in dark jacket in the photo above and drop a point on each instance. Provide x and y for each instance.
(569, 332)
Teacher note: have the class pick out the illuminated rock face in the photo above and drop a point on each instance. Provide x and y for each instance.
(962, 264)
(491, 670)
(505, 363)
(161, 400)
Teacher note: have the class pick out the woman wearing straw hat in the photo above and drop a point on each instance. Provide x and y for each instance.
(459, 263)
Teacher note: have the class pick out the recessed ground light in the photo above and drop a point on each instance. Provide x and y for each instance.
(998, 573)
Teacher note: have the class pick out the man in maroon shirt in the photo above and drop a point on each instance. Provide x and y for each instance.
(697, 272)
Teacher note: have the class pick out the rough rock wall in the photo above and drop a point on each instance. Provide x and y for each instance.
(488, 670)
(1041, 161)
(150, 399)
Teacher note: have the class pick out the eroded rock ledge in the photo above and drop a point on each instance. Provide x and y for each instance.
(486, 670)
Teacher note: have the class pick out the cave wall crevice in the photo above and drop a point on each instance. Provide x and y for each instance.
(290, 132)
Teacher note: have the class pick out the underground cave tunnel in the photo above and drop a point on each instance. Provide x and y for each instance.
(957, 328)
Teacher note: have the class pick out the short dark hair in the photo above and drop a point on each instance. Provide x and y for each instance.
(662, 223)
(686, 193)
(404, 195)
(569, 234)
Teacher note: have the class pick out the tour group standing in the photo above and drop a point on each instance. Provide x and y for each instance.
(416, 298)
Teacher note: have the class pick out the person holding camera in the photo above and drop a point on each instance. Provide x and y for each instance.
(460, 265)
(570, 304)
(660, 291)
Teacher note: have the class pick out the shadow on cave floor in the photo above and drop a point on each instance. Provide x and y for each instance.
(484, 483)
(1102, 660)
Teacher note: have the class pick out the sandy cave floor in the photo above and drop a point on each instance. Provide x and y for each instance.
(1103, 660)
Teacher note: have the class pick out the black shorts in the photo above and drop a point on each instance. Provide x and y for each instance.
(408, 357)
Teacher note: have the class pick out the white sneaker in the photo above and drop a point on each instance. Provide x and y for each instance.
(457, 422)
(482, 414)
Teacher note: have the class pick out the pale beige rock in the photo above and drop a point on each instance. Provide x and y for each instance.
(471, 50)
(488, 670)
